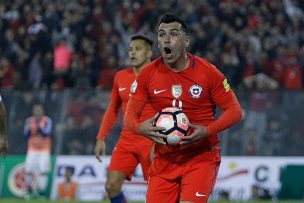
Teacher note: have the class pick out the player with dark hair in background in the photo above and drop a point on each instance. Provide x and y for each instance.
(131, 148)
(185, 172)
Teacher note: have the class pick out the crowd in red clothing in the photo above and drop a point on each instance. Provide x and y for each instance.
(81, 44)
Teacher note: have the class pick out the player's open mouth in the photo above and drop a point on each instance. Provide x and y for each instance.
(167, 51)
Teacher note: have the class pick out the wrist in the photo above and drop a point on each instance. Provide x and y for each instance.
(211, 129)
(101, 138)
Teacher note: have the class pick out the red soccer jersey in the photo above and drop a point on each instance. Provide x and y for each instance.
(197, 90)
(119, 98)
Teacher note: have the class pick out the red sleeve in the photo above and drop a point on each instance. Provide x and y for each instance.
(132, 114)
(136, 103)
(111, 113)
(223, 96)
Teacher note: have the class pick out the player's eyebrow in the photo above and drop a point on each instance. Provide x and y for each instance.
(173, 29)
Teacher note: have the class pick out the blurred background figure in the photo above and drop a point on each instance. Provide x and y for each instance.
(37, 130)
(67, 190)
(3, 130)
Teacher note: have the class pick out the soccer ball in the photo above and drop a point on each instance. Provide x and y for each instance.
(175, 122)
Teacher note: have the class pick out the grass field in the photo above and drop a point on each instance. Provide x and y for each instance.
(50, 201)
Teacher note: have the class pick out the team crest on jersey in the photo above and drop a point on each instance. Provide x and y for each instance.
(196, 91)
(176, 91)
(134, 86)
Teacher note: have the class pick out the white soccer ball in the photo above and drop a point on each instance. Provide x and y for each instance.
(175, 122)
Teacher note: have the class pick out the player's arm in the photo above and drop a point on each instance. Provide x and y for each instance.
(108, 121)
(3, 129)
(136, 105)
(232, 113)
(224, 98)
(26, 128)
(132, 114)
(46, 128)
(132, 122)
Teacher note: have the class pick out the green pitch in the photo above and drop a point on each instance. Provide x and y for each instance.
(50, 201)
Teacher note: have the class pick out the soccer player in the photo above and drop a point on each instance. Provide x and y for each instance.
(3, 129)
(37, 129)
(131, 148)
(186, 172)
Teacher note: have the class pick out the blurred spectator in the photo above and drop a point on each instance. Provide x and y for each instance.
(67, 190)
(35, 72)
(62, 59)
(293, 79)
(260, 193)
(276, 137)
(37, 130)
(106, 76)
(6, 74)
(241, 37)
(261, 99)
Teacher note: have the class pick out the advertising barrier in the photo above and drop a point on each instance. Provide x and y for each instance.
(237, 176)
(91, 176)
(12, 178)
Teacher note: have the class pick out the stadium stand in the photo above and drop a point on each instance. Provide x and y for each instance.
(245, 39)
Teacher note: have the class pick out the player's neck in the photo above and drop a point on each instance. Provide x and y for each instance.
(181, 64)
(38, 117)
(137, 69)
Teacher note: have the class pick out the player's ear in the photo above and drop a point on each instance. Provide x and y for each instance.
(187, 41)
(149, 53)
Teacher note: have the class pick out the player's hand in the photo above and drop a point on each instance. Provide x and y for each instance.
(200, 132)
(148, 130)
(100, 149)
(3, 145)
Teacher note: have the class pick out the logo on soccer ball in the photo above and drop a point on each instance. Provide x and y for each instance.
(175, 122)
(196, 91)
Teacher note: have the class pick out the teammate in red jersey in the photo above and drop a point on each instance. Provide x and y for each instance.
(131, 148)
(187, 172)
(3, 129)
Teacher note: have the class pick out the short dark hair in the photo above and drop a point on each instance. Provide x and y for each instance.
(70, 169)
(143, 37)
(170, 18)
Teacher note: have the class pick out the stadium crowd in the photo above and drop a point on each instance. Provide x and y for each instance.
(57, 44)
(79, 45)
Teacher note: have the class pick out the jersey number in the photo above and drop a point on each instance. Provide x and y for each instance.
(177, 103)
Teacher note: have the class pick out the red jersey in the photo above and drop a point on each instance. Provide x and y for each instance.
(197, 90)
(120, 95)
